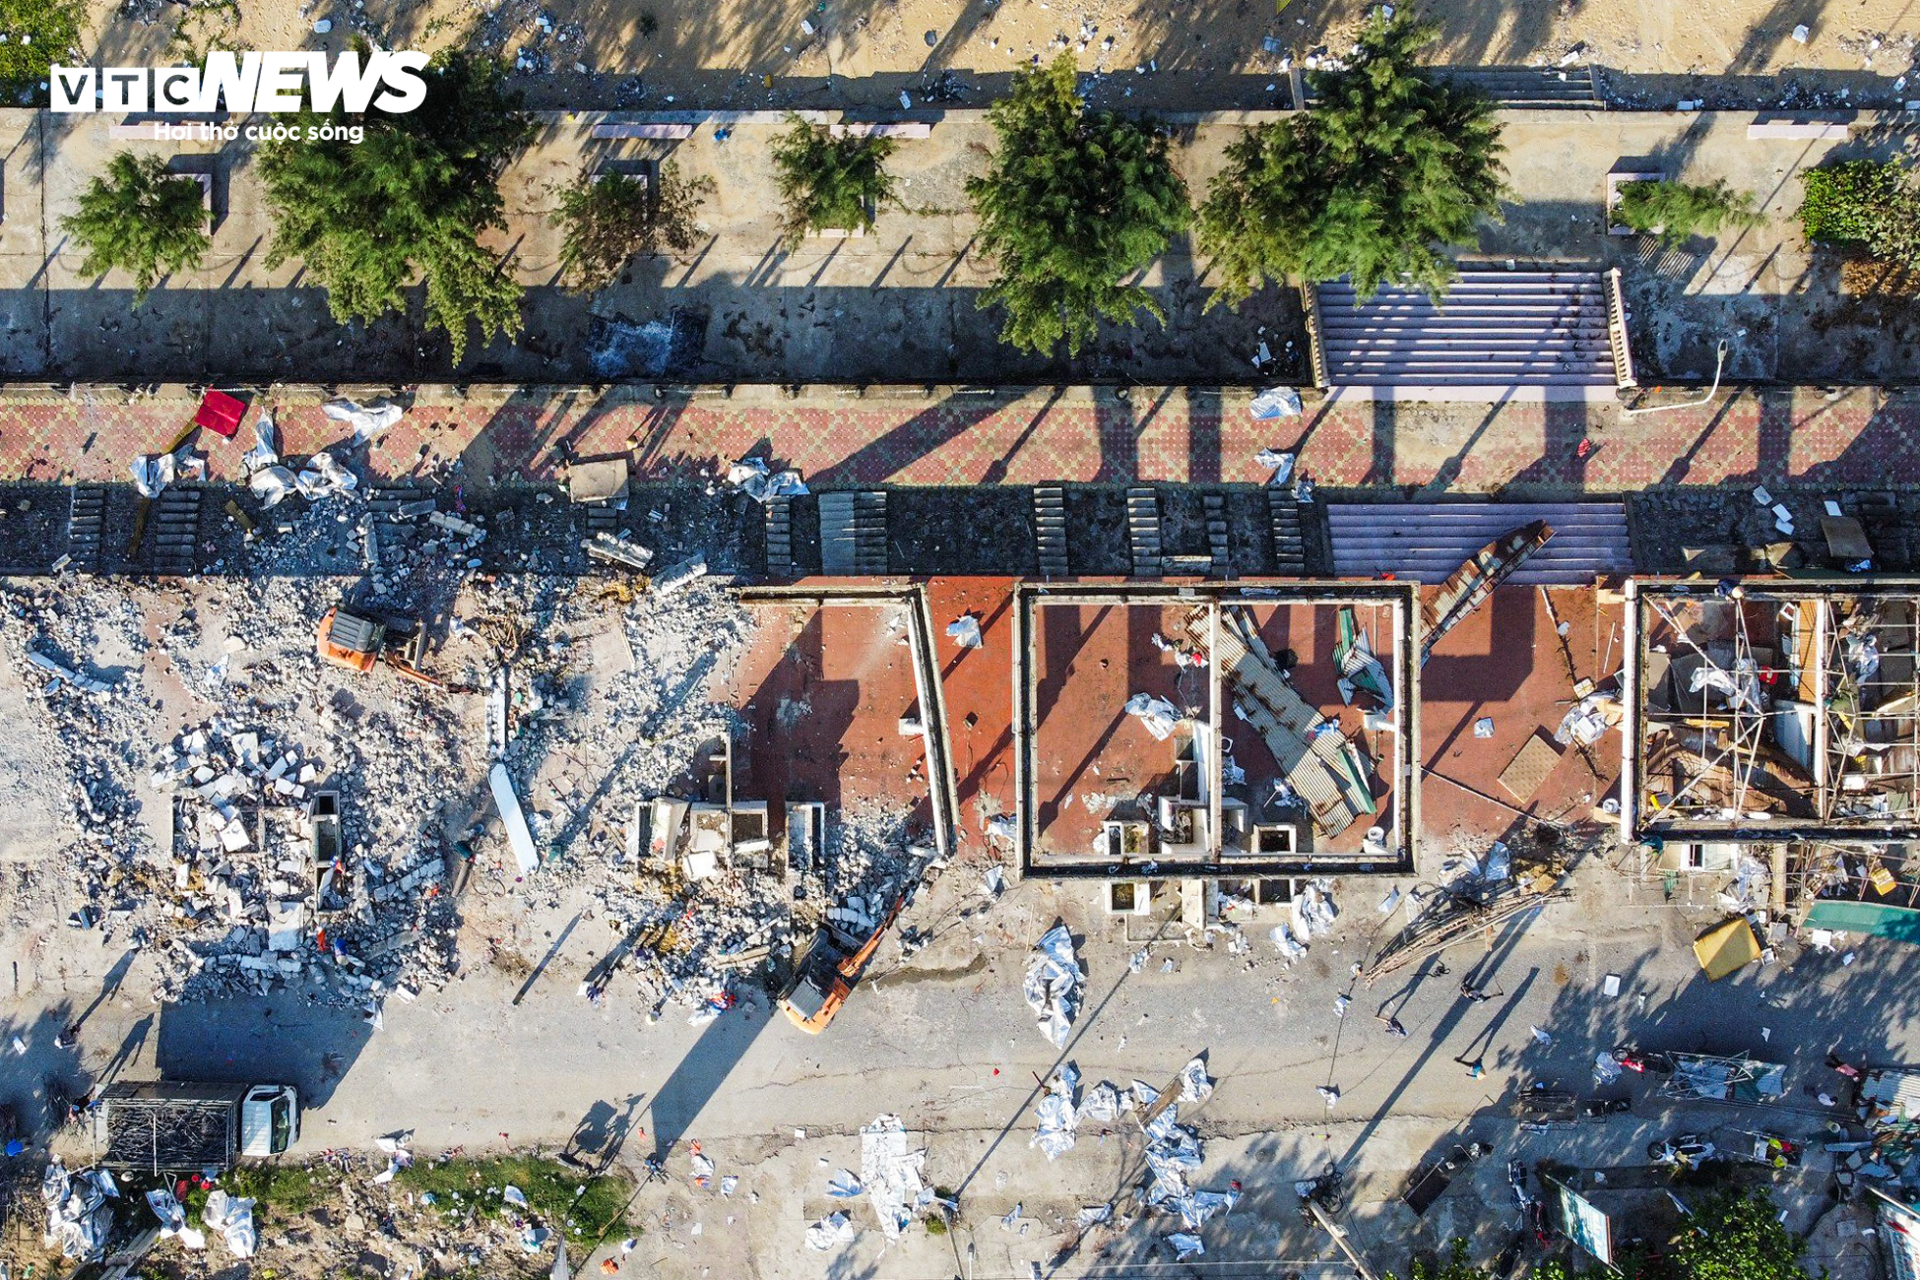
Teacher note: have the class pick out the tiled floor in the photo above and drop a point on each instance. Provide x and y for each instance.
(1775, 437)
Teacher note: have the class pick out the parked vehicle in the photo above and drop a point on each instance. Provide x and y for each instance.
(1682, 1151)
(173, 1126)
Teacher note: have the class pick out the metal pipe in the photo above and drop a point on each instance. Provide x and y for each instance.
(1719, 363)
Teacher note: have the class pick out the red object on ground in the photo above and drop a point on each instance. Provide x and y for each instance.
(220, 412)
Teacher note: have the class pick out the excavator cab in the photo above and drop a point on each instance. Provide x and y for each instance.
(357, 641)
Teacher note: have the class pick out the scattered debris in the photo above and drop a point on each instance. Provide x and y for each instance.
(1053, 984)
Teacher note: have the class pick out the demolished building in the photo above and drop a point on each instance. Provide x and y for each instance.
(1251, 730)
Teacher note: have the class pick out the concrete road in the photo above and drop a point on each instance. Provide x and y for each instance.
(946, 1042)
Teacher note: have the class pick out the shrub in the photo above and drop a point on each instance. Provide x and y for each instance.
(607, 222)
(141, 219)
(1073, 203)
(1385, 172)
(1677, 211)
(829, 183)
(1864, 204)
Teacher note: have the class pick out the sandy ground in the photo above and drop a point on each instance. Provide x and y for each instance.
(749, 54)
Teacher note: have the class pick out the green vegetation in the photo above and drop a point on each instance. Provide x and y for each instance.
(1386, 172)
(1677, 211)
(829, 183)
(559, 1196)
(39, 33)
(1456, 1267)
(1866, 204)
(1733, 1235)
(406, 204)
(1074, 203)
(279, 1191)
(141, 219)
(607, 222)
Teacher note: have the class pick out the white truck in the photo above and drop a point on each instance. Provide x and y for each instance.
(177, 1126)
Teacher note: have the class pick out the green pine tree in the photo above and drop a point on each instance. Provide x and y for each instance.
(1385, 173)
(141, 219)
(608, 221)
(407, 204)
(829, 183)
(1074, 202)
(1677, 211)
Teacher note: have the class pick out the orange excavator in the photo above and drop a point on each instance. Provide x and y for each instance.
(358, 641)
(826, 972)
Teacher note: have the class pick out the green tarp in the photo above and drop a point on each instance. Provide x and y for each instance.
(1876, 919)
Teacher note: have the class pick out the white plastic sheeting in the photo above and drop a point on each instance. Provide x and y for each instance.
(324, 475)
(79, 1219)
(232, 1217)
(829, 1232)
(1053, 984)
(366, 422)
(890, 1171)
(1057, 1116)
(1159, 715)
(754, 478)
(965, 632)
(173, 1219)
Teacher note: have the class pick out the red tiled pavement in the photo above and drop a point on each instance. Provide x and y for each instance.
(1177, 435)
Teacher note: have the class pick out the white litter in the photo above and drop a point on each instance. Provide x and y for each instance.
(1056, 1116)
(514, 1196)
(1195, 1084)
(843, 1185)
(1185, 1246)
(79, 1219)
(965, 632)
(324, 475)
(232, 1217)
(1281, 462)
(366, 422)
(1159, 715)
(753, 478)
(1540, 1036)
(173, 1219)
(1053, 984)
(832, 1230)
(890, 1171)
(1275, 402)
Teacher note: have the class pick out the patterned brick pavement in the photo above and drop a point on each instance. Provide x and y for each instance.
(1779, 438)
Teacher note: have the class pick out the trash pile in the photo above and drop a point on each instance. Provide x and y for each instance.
(1312, 914)
(890, 1172)
(1053, 984)
(1173, 1150)
(79, 1210)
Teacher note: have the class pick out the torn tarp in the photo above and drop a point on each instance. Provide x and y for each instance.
(173, 1218)
(965, 632)
(323, 475)
(1195, 1084)
(1057, 1117)
(890, 1171)
(156, 471)
(366, 422)
(1185, 1246)
(834, 1229)
(1159, 715)
(79, 1217)
(754, 478)
(1053, 984)
(1275, 402)
(232, 1217)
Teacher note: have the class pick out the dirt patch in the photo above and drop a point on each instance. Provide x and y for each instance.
(1867, 278)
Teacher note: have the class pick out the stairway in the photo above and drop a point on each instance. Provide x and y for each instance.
(1289, 540)
(87, 528)
(1529, 88)
(174, 531)
(778, 518)
(1427, 541)
(1221, 560)
(853, 533)
(1050, 529)
(1495, 335)
(1143, 532)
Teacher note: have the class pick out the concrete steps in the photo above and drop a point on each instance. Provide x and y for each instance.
(778, 521)
(174, 529)
(87, 528)
(853, 533)
(1219, 555)
(1289, 536)
(1544, 335)
(1427, 541)
(1143, 532)
(1050, 530)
